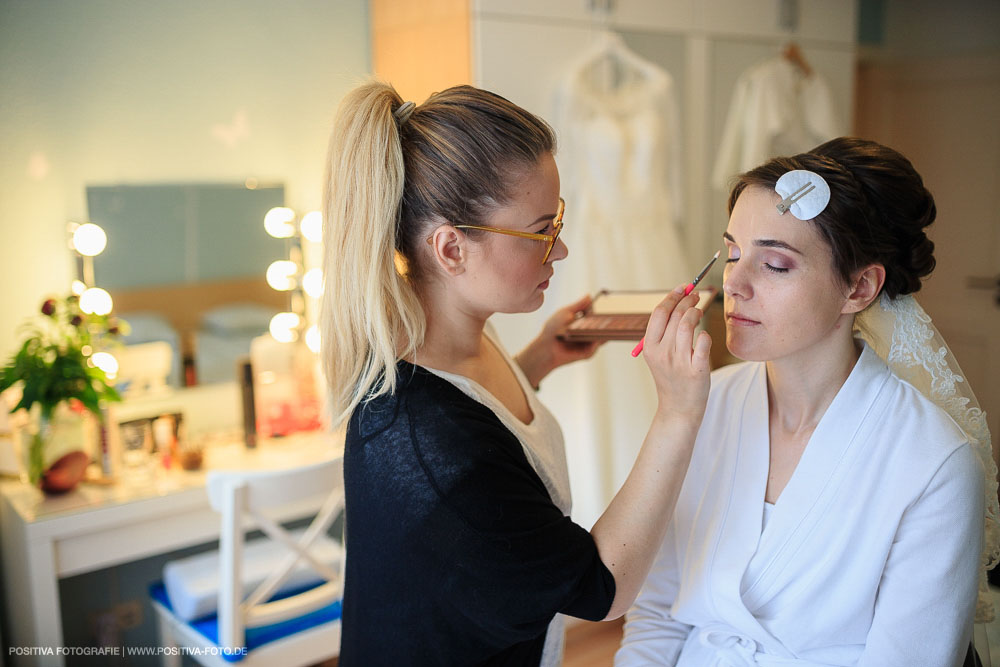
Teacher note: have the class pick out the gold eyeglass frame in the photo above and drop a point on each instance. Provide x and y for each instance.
(557, 223)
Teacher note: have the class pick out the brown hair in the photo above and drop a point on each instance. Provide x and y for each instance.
(877, 213)
(388, 183)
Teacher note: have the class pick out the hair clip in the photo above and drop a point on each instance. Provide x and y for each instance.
(804, 193)
(402, 113)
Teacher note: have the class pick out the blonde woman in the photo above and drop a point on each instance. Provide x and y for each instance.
(460, 547)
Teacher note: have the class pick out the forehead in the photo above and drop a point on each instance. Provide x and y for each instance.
(755, 216)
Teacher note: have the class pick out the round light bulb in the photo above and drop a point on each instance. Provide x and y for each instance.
(312, 339)
(89, 239)
(106, 362)
(312, 226)
(78, 287)
(284, 327)
(312, 283)
(278, 222)
(281, 275)
(95, 301)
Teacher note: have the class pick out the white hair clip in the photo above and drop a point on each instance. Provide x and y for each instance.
(804, 193)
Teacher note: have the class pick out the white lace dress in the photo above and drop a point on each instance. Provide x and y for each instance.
(619, 157)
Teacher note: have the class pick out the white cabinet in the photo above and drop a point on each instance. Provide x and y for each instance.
(826, 20)
(521, 49)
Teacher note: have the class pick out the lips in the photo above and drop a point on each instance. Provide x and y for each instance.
(740, 321)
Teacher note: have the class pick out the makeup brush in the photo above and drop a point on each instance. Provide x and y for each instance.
(637, 350)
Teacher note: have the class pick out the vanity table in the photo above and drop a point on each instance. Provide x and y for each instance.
(46, 538)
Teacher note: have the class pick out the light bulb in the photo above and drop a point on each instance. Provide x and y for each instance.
(95, 301)
(106, 362)
(284, 327)
(312, 283)
(78, 287)
(278, 222)
(312, 339)
(89, 239)
(281, 275)
(312, 226)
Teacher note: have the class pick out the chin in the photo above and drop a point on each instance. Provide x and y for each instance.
(525, 307)
(745, 350)
(534, 303)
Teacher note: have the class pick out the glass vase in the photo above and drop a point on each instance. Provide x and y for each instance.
(45, 439)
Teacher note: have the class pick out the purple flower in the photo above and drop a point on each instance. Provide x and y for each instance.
(49, 307)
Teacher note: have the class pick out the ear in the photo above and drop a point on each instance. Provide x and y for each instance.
(448, 247)
(866, 285)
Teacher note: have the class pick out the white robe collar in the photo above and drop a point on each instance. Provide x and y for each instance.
(745, 553)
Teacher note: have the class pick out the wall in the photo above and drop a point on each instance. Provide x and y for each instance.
(929, 87)
(421, 47)
(111, 91)
(141, 91)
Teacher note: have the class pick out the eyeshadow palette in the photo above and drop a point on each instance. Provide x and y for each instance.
(622, 314)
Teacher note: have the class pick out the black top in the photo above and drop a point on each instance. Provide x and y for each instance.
(456, 553)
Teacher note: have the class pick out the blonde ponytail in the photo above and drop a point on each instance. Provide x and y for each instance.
(370, 314)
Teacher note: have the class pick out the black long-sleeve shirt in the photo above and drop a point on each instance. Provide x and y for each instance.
(456, 553)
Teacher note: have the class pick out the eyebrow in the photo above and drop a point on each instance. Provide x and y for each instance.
(765, 243)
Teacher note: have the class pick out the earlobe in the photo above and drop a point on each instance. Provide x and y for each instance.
(867, 286)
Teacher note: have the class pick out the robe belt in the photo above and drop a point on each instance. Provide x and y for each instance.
(735, 650)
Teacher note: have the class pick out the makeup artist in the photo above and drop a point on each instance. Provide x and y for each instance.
(460, 547)
(833, 513)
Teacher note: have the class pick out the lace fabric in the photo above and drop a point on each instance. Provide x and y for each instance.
(902, 334)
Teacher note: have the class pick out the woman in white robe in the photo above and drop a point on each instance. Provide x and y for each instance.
(832, 514)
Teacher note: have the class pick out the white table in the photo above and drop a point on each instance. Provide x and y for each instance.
(45, 538)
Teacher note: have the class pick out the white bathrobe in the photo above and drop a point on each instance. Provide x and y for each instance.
(869, 556)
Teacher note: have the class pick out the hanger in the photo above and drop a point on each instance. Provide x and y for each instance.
(793, 54)
(613, 62)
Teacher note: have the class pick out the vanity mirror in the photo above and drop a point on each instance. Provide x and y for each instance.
(186, 265)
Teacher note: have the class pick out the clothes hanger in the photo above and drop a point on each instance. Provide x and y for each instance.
(793, 54)
(614, 63)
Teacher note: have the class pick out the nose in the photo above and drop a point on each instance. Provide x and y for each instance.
(559, 251)
(735, 282)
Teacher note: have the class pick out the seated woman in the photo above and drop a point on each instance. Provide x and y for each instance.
(832, 514)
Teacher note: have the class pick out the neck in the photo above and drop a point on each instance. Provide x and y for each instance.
(801, 387)
(454, 336)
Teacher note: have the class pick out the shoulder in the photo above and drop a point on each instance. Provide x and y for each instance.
(427, 406)
(922, 434)
(919, 420)
(433, 425)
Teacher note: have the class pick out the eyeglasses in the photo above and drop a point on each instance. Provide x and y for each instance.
(550, 239)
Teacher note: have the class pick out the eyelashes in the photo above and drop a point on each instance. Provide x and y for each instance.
(773, 269)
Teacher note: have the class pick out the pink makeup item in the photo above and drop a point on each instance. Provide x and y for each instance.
(637, 350)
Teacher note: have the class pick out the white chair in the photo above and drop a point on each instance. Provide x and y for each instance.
(295, 628)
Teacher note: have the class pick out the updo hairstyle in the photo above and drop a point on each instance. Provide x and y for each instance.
(877, 213)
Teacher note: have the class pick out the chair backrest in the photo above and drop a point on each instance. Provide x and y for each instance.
(245, 497)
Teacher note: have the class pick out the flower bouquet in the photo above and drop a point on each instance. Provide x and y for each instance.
(55, 369)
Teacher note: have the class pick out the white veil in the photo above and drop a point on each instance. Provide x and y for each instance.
(902, 334)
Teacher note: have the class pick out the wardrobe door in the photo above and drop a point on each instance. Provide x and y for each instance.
(644, 14)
